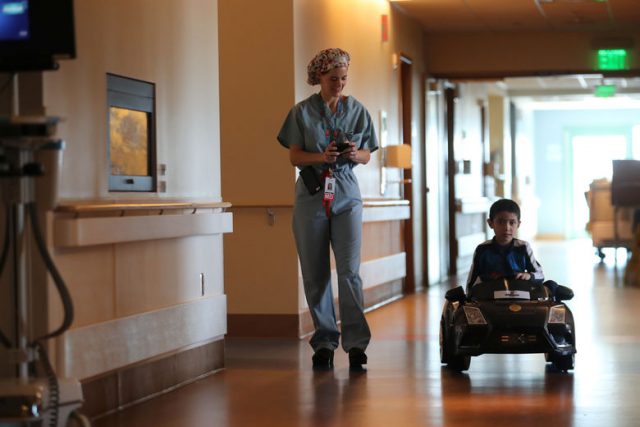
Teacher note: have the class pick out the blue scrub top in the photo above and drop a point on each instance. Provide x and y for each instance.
(311, 124)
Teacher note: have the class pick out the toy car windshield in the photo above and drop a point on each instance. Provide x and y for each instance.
(505, 289)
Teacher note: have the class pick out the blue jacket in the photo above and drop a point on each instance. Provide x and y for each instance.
(492, 261)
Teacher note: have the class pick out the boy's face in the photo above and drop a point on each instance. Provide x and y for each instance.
(504, 224)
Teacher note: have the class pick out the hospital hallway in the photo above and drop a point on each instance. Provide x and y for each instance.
(271, 383)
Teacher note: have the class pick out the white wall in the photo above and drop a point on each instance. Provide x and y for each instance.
(286, 34)
(172, 44)
(524, 185)
(118, 286)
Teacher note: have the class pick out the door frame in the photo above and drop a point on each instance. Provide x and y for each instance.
(406, 132)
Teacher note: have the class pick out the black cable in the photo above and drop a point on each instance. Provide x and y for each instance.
(54, 387)
(65, 297)
(3, 261)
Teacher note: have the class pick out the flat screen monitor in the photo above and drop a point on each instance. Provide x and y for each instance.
(14, 20)
(34, 34)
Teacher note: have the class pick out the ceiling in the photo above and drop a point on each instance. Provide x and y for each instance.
(572, 91)
(594, 16)
(437, 16)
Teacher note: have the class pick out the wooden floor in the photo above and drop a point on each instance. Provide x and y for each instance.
(271, 383)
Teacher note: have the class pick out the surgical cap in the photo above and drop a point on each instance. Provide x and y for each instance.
(326, 60)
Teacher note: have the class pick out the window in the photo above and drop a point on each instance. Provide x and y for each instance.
(131, 134)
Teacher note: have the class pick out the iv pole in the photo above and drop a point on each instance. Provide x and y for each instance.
(25, 143)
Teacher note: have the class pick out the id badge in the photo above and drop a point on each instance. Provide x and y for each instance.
(329, 186)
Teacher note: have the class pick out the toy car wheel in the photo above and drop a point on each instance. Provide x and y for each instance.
(76, 419)
(444, 344)
(459, 363)
(563, 362)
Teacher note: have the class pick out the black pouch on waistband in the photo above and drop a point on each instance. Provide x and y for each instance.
(311, 179)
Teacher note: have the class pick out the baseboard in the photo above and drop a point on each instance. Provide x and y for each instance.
(377, 295)
(300, 325)
(262, 325)
(126, 386)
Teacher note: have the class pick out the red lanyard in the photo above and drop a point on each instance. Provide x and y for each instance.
(327, 175)
(329, 190)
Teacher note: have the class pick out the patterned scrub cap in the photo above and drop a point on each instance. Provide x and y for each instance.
(326, 60)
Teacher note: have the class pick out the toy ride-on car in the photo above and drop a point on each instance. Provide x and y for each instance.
(507, 316)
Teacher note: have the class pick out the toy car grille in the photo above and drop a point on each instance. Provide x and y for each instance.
(518, 339)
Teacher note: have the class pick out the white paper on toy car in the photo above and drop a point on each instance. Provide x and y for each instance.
(511, 295)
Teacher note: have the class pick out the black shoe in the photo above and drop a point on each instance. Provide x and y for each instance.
(357, 358)
(323, 358)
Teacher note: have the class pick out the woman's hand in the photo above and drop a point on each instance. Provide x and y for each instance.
(523, 276)
(330, 154)
(300, 158)
(356, 156)
(350, 153)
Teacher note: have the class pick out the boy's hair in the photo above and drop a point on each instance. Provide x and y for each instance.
(504, 205)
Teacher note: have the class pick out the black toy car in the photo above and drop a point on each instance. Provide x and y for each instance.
(507, 316)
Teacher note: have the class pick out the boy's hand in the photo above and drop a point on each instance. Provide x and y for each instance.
(523, 276)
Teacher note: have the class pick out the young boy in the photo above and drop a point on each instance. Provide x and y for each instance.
(504, 255)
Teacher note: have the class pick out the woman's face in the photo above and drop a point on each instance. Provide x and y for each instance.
(333, 82)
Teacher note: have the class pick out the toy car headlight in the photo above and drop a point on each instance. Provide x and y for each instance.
(557, 314)
(474, 316)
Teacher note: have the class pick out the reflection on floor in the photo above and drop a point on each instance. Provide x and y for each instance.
(270, 383)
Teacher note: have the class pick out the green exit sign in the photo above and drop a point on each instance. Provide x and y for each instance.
(612, 59)
(605, 91)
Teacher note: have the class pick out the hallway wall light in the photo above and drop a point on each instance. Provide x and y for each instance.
(398, 156)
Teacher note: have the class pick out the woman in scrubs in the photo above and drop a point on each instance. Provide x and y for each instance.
(327, 135)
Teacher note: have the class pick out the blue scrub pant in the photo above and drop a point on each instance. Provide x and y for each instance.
(315, 234)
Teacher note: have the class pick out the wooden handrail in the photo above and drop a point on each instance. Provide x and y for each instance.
(367, 203)
(115, 206)
(96, 206)
(384, 202)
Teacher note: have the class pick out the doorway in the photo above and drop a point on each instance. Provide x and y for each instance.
(436, 206)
